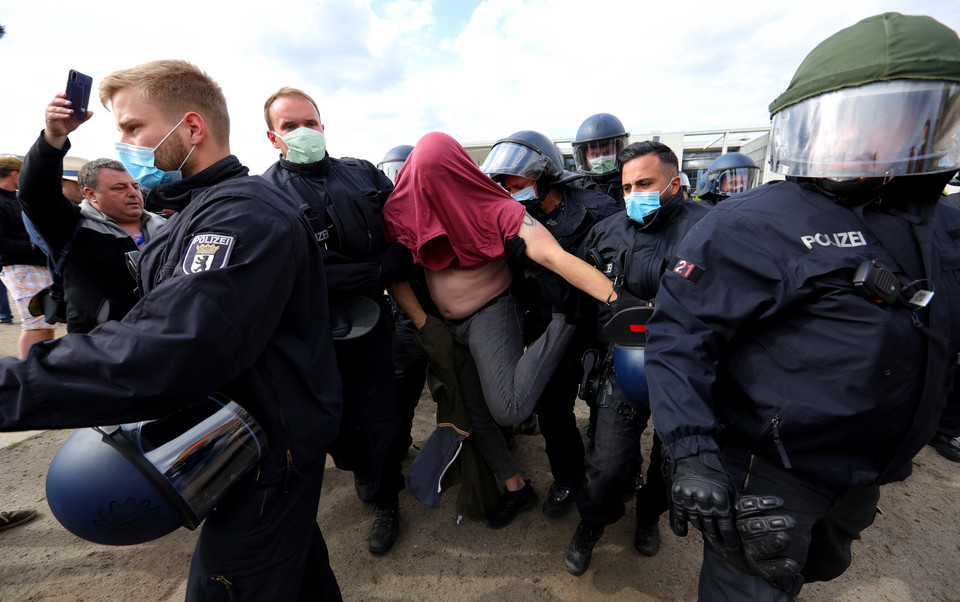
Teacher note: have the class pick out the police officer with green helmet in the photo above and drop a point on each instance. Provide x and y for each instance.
(804, 343)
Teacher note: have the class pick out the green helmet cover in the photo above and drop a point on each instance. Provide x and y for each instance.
(879, 48)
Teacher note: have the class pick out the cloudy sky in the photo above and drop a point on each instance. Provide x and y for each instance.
(384, 72)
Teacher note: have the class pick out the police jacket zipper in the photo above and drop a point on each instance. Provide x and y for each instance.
(775, 423)
(226, 585)
(366, 224)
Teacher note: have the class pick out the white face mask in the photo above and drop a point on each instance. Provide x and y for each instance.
(304, 145)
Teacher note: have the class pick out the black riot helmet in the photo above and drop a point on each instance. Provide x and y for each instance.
(527, 154)
(599, 140)
(728, 175)
(393, 161)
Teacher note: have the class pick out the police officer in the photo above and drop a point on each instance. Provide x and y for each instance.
(728, 174)
(529, 166)
(630, 248)
(346, 197)
(599, 139)
(796, 357)
(409, 361)
(233, 300)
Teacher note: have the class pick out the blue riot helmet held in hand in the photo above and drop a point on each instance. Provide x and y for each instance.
(394, 159)
(729, 174)
(132, 483)
(529, 155)
(628, 334)
(599, 140)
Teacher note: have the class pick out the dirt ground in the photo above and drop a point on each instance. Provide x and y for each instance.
(912, 552)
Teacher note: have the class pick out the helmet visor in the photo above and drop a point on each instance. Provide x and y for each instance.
(391, 169)
(512, 159)
(598, 157)
(894, 128)
(737, 179)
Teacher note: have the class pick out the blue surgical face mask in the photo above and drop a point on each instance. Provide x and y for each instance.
(305, 145)
(527, 194)
(642, 204)
(140, 162)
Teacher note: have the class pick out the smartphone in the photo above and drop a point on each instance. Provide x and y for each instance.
(78, 93)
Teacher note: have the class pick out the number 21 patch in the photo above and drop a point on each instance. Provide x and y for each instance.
(685, 269)
(207, 251)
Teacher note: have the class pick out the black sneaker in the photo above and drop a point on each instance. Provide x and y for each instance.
(646, 539)
(946, 446)
(528, 426)
(364, 485)
(510, 504)
(580, 550)
(560, 498)
(386, 527)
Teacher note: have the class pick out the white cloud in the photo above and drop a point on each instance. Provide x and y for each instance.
(385, 73)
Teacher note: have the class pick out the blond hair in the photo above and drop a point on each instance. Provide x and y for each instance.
(174, 87)
(282, 92)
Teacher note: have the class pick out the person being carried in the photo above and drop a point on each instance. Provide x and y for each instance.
(459, 225)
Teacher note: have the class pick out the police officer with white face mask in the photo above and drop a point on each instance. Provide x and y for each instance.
(346, 197)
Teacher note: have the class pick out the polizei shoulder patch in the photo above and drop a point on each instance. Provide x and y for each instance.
(207, 251)
(685, 269)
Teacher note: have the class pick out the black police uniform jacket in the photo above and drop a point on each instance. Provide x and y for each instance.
(234, 300)
(97, 284)
(637, 253)
(758, 327)
(580, 210)
(346, 197)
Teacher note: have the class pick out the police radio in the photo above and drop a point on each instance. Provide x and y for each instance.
(876, 282)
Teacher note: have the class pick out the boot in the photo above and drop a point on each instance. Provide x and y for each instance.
(580, 549)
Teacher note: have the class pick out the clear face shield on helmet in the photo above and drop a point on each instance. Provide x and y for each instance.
(883, 129)
(513, 159)
(391, 169)
(598, 157)
(735, 180)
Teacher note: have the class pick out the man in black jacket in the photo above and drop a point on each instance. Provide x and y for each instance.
(234, 300)
(345, 198)
(631, 248)
(25, 272)
(89, 243)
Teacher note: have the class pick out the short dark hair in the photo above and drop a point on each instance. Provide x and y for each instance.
(90, 172)
(668, 160)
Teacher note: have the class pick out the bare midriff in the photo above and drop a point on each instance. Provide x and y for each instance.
(460, 292)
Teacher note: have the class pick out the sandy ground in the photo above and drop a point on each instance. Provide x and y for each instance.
(912, 552)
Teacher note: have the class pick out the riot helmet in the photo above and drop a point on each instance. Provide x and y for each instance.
(599, 140)
(685, 182)
(132, 483)
(529, 155)
(628, 334)
(729, 174)
(877, 100)
(393, 161)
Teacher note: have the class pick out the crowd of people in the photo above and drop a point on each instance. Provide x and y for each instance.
(799, 339)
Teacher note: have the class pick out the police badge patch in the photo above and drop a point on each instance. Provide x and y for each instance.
(207, 251)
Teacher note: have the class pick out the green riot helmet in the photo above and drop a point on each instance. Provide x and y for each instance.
(877, 100)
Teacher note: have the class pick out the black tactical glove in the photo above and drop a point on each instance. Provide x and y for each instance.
(623, 301)
(764, 534)
(396, 261)
(703, 495)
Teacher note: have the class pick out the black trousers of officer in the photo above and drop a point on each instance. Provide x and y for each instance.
(558, 424)
(371, 437)
(262, 542)
(612, 464)
(828, 520)
(410, 373)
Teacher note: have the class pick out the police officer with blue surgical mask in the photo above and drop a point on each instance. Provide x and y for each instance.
(631, 248)
(345, 197)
